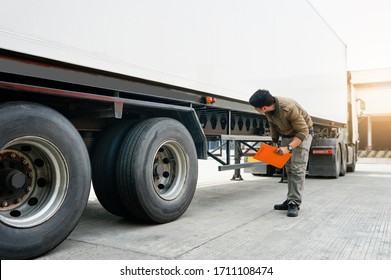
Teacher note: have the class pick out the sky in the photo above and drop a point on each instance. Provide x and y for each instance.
(364, 26)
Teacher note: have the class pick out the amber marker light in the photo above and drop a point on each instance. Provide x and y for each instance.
(210, 100)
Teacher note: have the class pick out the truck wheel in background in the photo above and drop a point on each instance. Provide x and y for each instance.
(270, 170)
(337, 161)
(352, 166)
(344, 160)
(104, 168)
(44, 179)
(157, 170)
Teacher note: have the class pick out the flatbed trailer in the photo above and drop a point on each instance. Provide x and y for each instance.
(76, 106)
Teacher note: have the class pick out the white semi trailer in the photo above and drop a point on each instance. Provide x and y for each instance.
(128, 94)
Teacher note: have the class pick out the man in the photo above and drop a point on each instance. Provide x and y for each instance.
(290, 121)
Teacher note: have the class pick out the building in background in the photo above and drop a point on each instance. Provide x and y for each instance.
(374, 88)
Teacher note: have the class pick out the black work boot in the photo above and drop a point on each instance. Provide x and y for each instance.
(293, 210)
(282, 206)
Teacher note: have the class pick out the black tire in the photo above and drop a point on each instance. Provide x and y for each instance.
(352, 167)
(104, 168)
(45, 179)
(270, 170)
(157, 170)
(344, 161)
(337, 162)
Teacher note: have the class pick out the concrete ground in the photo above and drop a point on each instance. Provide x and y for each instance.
(348, 218)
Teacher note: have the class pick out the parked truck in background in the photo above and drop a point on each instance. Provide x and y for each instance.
(131, 92)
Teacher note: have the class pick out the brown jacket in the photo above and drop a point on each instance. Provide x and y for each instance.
(289, 119)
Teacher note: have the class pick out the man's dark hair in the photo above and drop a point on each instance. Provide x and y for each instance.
(261, 98)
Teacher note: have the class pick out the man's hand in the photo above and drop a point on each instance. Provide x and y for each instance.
(282, 151)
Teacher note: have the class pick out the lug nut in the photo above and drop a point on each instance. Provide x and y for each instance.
(4, 204)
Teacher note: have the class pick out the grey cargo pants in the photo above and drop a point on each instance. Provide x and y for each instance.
(296, 168)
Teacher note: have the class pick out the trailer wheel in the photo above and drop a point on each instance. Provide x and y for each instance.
(157, 170)
(104, 168)
(44, 179)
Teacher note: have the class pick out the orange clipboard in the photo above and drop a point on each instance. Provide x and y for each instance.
(266, 153)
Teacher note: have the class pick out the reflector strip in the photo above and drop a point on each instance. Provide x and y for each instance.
(322, 151)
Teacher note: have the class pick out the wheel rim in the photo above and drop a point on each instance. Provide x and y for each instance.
(169, 170)
(33, 181)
